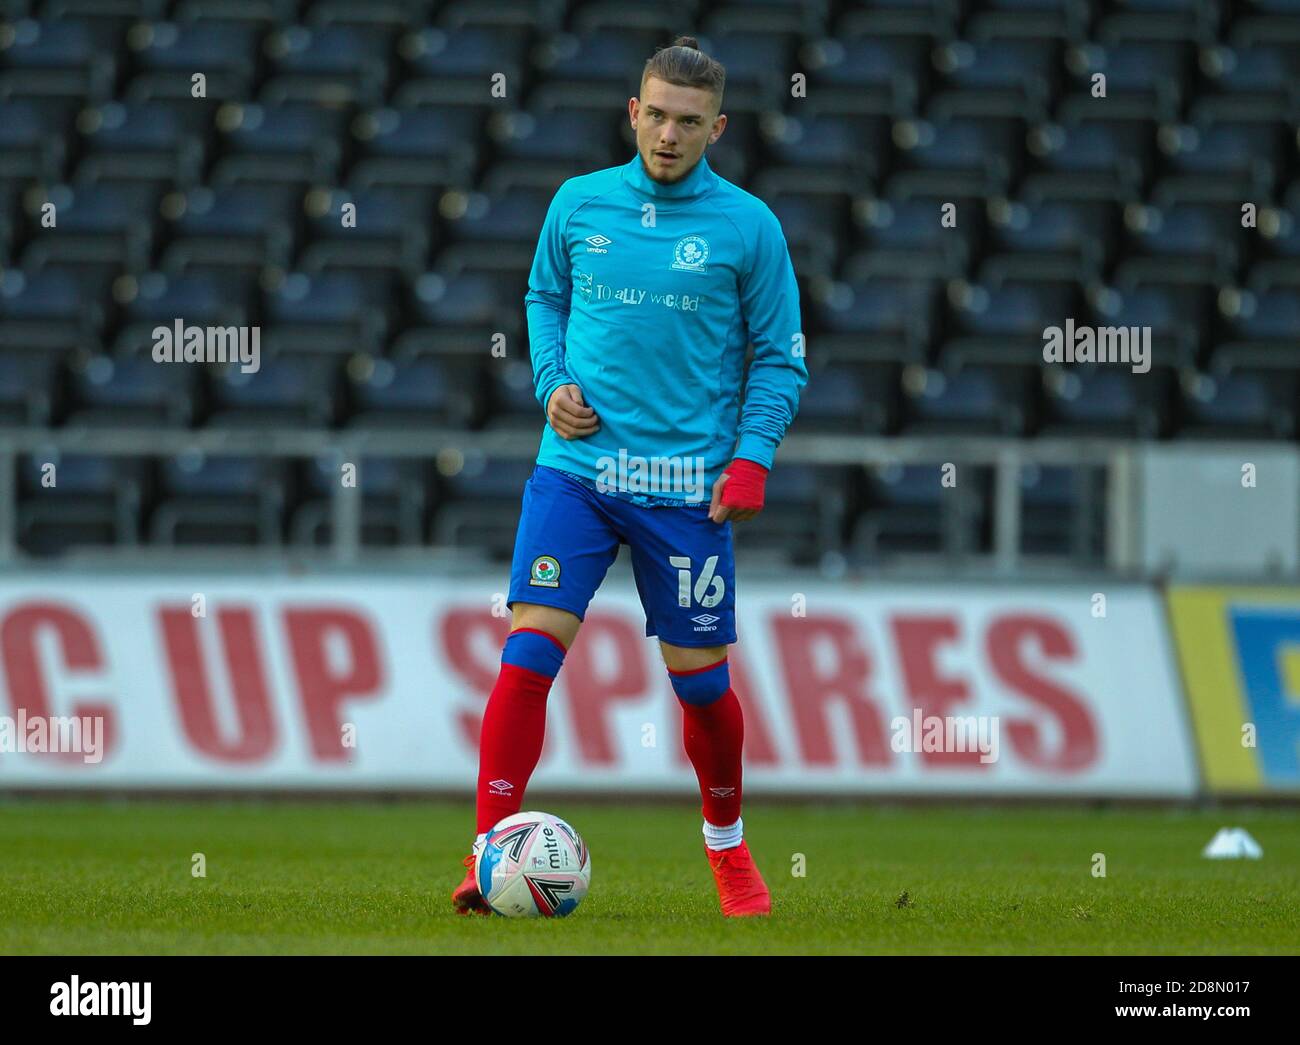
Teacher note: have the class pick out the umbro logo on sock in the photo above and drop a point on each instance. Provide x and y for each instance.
(500, 787)
(722, 792)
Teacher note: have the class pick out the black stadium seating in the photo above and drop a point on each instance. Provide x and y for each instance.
(1122, 210)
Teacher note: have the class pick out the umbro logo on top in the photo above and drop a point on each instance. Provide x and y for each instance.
(598, 244)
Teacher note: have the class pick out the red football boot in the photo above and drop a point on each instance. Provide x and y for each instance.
(466, 898)
(740, 886)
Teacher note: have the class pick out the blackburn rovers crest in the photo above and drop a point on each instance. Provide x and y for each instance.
(690, 254)
(545, 572)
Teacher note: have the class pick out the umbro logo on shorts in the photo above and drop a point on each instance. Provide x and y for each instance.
(706, 622)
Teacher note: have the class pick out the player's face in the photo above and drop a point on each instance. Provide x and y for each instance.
(673, 125)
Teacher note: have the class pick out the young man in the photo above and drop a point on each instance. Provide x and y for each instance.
(649, 282)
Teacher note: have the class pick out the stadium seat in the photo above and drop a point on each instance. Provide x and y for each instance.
(876, 318)
(413, 393)
(284, 392)
(1089, 159)
(1091, 400)
(1177, 315)
(846, 398)
(1220, 162)
(295, 142)
(909, 238)
(899, 18)
(815, 226)
(1239, 404)
(1258, 81)
(867, 74)
(1277, 248)
(538, 149)
(129, 392)
(60, 57)
(219, 500)
(330, 64)
(1181, 20)
(242, 226)
(963, 156)
(513, 398)
(1061, 513)
(196, 298)
(393, 501)
(164, 56)
(1263, 329)
(144, 141)
(34, 137)
(57, 307)
(825, 153)
(1183, 243)
(758, 61)
(903, 513)
(387, 229)
(479, 505)
(27, 387)
(73, 500)
(492, 233)
(1033, 19)
(95, 224)
(448, 65)
(802, 17)
(987, 400)
(331, 312)
(596, 71)
(462, 315)
(1005, 324)
(1052, 240)
(1144, 80)
(419, 147)
(996, 77)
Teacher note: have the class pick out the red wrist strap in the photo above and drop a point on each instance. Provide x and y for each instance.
(744, 486)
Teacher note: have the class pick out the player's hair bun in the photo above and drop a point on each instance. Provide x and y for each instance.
(687, 41)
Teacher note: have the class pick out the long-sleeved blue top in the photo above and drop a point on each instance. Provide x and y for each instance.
(646, 297)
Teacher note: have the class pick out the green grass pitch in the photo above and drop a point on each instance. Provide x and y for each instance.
(352, 877)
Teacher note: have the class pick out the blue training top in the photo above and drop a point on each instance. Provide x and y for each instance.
(646, 297)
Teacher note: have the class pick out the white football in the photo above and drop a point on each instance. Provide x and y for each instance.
(533, 865)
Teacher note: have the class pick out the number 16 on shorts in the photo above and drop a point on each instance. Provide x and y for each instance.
(709, 589)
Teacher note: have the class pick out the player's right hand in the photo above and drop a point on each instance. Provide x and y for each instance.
(569, 415)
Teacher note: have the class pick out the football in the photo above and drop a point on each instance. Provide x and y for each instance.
(533, 865)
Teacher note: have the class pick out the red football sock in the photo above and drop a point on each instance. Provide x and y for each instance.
(713, 735)
(514, 726)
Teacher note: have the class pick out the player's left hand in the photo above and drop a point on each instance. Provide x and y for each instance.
(738, 493)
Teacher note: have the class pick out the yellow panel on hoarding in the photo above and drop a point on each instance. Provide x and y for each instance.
(1239, 651)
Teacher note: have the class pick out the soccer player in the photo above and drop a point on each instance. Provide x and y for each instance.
(649, 282)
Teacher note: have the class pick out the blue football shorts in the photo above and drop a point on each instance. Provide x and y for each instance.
(685, 570)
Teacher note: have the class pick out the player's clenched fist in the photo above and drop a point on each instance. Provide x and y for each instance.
(569, 415)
